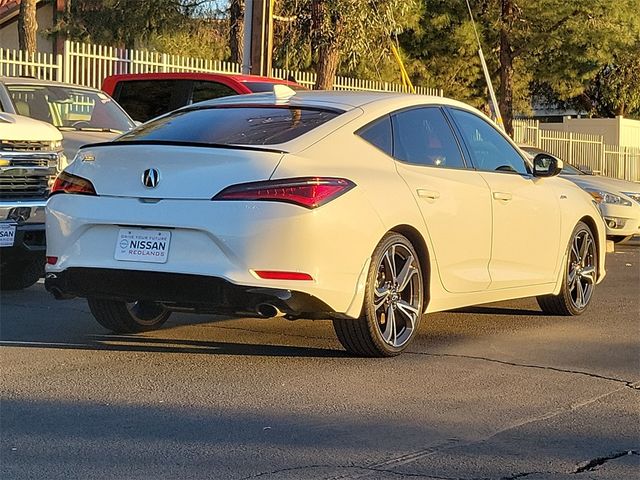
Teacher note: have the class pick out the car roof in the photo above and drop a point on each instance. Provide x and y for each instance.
(38, 81)
(343, 100)
(198, 76)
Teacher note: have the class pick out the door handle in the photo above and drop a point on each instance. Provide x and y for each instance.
(431, 194)
(502, 196)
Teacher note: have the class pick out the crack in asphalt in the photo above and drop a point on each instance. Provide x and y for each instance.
(591, 465)
(456, 443)
(525, 474)
(626, 383)
(365, 471)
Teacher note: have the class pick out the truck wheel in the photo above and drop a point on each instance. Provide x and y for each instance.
(20, 276)
(122, 317)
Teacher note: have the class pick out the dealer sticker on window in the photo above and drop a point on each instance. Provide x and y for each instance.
(143, 245)
(7, 234)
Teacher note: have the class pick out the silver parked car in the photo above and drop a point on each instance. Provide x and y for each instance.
(83, 115)
(619, 200)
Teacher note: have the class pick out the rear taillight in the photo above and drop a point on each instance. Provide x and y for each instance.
(309, 192)
(67, 183)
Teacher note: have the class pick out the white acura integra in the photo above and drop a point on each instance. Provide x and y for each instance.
(368, 209)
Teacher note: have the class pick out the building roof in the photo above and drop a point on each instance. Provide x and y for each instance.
(8, 8)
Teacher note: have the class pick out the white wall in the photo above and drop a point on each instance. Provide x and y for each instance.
(618, 131)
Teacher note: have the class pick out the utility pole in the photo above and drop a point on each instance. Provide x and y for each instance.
(258, 37)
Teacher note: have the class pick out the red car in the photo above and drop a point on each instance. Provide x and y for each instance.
(147, 95)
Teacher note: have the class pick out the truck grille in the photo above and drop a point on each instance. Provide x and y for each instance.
(24, 146)
(17, 187)
(32, 161)
(27, 168)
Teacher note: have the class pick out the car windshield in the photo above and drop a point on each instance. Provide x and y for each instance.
(232, 125)
(570, 170)
(69, 108)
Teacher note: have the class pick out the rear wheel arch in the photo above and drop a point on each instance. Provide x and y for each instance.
(418, 242)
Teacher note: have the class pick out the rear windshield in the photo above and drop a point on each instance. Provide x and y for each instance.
(234, 125)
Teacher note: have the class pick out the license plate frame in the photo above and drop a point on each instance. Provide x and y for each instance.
(7, 234)
(142, 245)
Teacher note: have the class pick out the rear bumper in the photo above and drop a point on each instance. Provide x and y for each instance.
(198, 293)
(226, 240)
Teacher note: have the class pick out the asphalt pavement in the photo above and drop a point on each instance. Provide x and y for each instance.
(497, 391)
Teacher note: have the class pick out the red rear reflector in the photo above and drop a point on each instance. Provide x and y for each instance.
(67, 183)
(52, 260)
(277, 275)
(309, 192)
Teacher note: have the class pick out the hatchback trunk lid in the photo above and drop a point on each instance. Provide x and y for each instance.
(177, 171)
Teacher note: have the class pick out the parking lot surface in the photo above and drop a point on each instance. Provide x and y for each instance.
(496, 391)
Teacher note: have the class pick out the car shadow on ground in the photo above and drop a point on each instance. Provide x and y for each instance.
(33, 319)
(492, 310)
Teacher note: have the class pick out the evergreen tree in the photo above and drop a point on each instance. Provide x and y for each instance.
(562, 44)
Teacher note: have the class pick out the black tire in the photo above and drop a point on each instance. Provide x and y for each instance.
(18, 276)
(372, 335)
(620, 238)
(579, 277)
(122, 317)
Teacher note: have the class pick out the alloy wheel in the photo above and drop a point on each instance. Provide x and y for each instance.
(397, 295)
(581, 275)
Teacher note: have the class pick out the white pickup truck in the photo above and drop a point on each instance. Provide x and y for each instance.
(30, 158)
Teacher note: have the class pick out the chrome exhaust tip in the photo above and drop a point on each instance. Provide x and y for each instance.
(266, 310)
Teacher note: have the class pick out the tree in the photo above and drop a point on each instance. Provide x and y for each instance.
(125, 22)
(236, 29)
(566, 42)
(452, 65)
(347, 32)
(27, 26)
(559, 43)
(616, 88)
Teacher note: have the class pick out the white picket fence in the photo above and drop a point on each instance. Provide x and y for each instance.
(581, 149)
(89, 64)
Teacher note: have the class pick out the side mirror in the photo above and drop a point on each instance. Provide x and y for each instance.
(544, 165)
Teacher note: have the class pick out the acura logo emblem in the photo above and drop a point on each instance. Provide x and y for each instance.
(151, 178)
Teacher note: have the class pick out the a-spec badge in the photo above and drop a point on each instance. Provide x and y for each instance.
(151, 178)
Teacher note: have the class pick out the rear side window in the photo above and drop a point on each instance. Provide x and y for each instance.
(203, 90)
(422, 136)
(379, 134)
(234, 125)
(147, 99)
